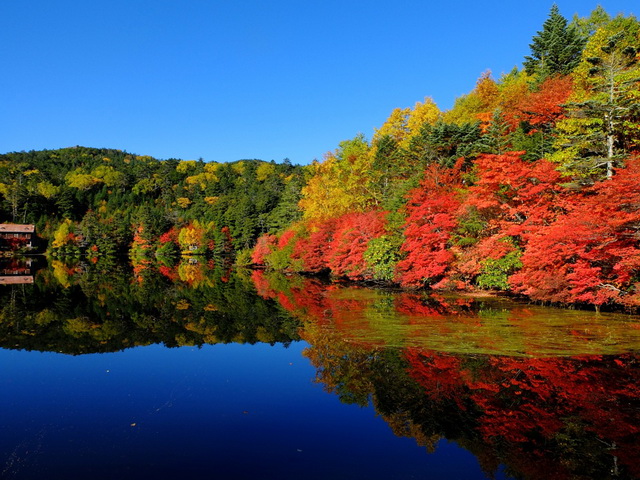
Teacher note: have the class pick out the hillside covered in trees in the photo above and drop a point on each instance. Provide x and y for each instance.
(107, 201)
(530, 183)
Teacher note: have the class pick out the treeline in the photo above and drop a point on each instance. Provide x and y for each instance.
(103, 201)
(530, 183)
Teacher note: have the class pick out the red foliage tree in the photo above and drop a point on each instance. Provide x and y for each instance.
(431, 219)
(591, 254)
(169, 236)
(353, 231)
(285, 238)
(544, 106)
(264, 247)
(514, 199)
(513, 194)
(313, 249)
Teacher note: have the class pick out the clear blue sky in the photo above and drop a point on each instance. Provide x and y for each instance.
(232, 79)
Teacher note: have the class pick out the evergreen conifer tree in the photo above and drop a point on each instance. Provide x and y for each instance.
(556, 49)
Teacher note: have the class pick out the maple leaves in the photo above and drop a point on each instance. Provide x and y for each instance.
(517, 227)
(430, 223)
(590, 254)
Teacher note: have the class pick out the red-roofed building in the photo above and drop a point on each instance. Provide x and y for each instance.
(13, 236)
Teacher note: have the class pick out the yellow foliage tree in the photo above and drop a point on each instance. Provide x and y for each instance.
(191, 237)
(47, 189)
(61, 235)
(395, 126)
(342, 183)
(81, 180)
(482, 101)
(183, 202)
(422, 112)
(109, 175)
(185, 165)
(202, 179)
(264, 171)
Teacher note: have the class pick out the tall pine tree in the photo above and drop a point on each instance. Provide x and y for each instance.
(556, 49)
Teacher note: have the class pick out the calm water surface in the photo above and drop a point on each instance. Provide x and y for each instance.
(187, 370)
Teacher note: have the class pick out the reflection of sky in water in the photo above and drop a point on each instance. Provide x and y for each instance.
(223, 411)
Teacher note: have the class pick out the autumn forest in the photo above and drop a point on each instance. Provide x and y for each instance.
(529, 184)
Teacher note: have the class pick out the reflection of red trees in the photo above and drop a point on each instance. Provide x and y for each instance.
(170, 272)
(440, 375)
(306, 299)
(415, 305)
(527, 410)
(261, 284)
(140, 265)
(531, 403)
(311, 300)
(423, 307)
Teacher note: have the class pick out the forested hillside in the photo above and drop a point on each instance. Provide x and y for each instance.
(530, 183)
(101, 200)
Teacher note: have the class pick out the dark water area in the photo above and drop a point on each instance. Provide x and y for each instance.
(193, 370)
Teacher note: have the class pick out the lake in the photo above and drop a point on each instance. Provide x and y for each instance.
(195, 370)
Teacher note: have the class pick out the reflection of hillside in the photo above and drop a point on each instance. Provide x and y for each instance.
(542, 413)
(82, 308)
(542, 418)
(449, 324)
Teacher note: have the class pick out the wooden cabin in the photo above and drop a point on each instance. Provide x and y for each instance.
(13, 235)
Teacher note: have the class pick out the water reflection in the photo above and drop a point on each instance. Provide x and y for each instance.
(85, 308)
(533, 393)
(550, 401)
(483, 325)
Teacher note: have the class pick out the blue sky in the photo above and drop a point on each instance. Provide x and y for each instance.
(230, 79)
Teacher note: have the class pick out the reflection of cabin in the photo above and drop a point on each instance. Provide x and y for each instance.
(16, 279)
(15, 236)
(15, 273)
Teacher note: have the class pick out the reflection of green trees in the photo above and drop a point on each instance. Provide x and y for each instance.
(85, 308)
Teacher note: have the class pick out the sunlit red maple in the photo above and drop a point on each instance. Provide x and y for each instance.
(345, 255)
(545, 106)
(591, 254)
(431, 219)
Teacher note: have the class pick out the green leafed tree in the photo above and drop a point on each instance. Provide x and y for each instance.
(604, 113)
